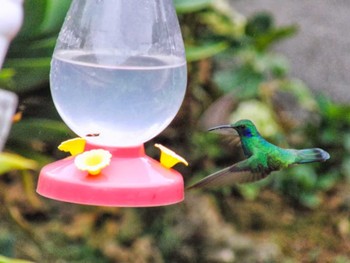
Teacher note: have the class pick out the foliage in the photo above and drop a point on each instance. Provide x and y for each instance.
(284, 109)
(11, 162)
(9, 260)
(26, 72)
(229, 58)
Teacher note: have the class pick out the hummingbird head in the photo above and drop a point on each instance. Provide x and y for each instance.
(244, 128)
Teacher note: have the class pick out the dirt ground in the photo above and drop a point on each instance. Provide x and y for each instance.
(203, 228)
(303, 235)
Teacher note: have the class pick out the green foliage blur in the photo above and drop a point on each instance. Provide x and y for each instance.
(233, 74)
(227, 54)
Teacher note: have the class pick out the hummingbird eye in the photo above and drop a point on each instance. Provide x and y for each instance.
(243, 126)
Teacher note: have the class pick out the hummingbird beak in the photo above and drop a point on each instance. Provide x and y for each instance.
(221, 127)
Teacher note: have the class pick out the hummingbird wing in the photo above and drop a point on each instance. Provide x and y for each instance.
(235, 174)
(230, 137)
(234, 140)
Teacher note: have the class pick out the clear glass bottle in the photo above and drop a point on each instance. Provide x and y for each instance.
(119, 70)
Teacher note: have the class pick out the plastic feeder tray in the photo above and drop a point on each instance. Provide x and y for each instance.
(132, 179)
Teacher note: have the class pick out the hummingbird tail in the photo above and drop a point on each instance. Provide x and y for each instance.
(311, 155)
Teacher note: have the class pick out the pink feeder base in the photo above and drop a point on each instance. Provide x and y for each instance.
(131, 180)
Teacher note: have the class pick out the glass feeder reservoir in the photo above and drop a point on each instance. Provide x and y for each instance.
(118, 78)
(119, 70)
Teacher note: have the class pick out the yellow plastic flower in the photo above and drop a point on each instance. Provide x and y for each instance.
(93, 161)
(168, 158)
(73, 146)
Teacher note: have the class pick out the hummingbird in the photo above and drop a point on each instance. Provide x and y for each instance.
(262, 158)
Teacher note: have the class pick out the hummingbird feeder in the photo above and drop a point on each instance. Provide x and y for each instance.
(118, 78)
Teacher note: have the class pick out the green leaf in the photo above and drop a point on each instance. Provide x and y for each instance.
(33, 49)
(6, 76)
(244, 81)
(264, 41)
(305, 176)
(4, 259)
(205, 51)
(188, 6)
(54, 16)
(301, 92)
(345, 167)
(30, 52)
(9, 162)
(33, 10)
(259, 24)
(42, 17)
(6, 73)
(249, 191)
(29, 72)
(347, 142)
(310, 200)
(221, 24)
(29, 62)
(44, 130)
(327, 181)
(337, 113)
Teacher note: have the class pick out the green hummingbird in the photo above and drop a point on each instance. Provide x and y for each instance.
(262, 156)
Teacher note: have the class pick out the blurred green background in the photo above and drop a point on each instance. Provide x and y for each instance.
(297, 215)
